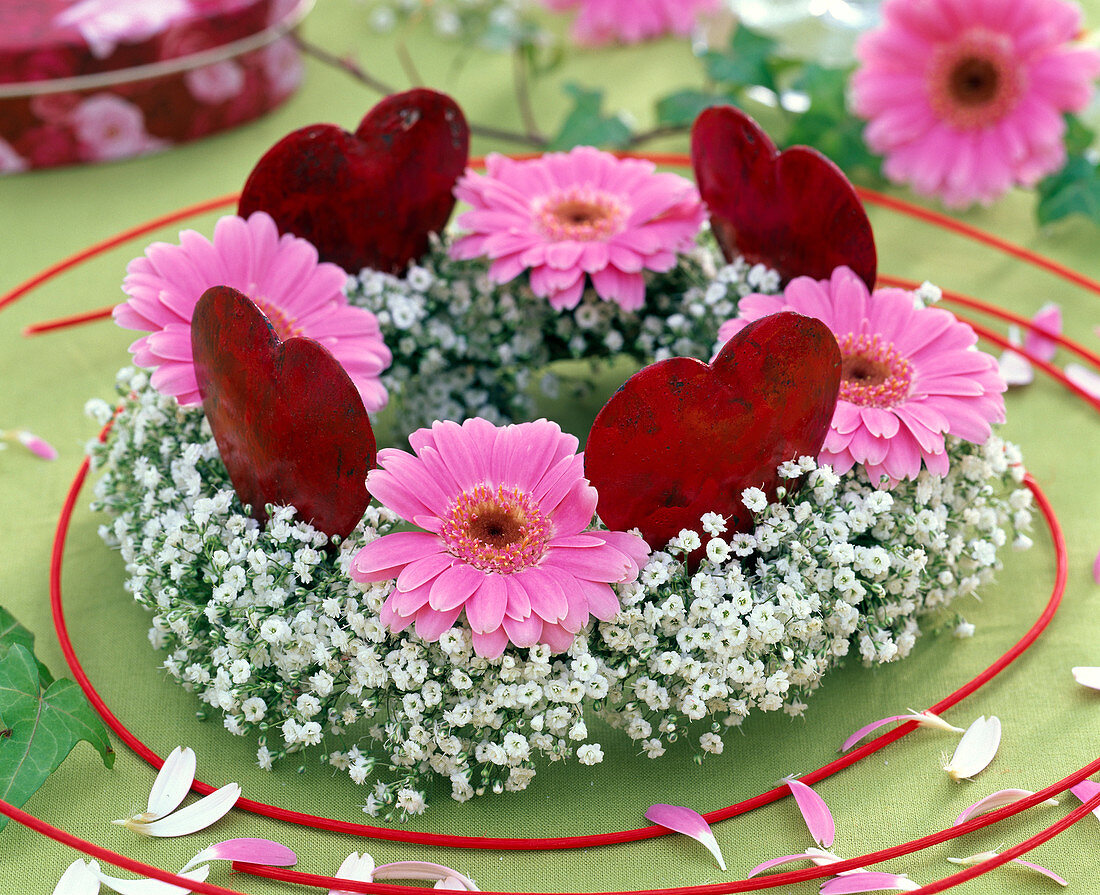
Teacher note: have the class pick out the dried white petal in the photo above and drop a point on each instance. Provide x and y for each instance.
(153, 886)
(195, 817)
(976, 749)
(79, 878)
(1087, 676)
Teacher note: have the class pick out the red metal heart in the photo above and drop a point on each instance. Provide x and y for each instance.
(289, 422)
(794, 211)
(371, 198)
(682, 438)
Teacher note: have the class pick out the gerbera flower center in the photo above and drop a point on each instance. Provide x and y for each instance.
(580, 213)
(873, 373)
(496, 530)
(285, 326)
(974, 82)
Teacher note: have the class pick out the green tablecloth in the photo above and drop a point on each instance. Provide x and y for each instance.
(1051, 725)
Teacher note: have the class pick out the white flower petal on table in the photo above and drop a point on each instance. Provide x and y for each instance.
(690, 823)
(996, 800)
(1083, 377)
(172, 784)
(425, 870)
(976, 749)
(355, 867)
(986, 855)
(153, 886)
(820, 857)
(1087, 675)
(819, 820)
(196, 816)
(79, 878)
(869, 881)
(255, 851)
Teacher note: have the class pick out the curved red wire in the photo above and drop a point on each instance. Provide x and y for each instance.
(560, 842)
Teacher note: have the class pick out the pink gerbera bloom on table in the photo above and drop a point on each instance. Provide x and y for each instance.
(631, 21)
(911, 375)
(568, 216)
(281, 274)
(965, 97)
(504, 512)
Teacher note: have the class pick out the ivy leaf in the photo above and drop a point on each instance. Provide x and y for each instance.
(827, 125)
(38, 729)
(1073, 190)
(680, 109)
(1079, 137)
(587, 125)
(11, 632)
(749, 60)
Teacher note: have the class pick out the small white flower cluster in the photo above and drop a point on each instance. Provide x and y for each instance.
(464, 346)
(265, 626)
(495, 25)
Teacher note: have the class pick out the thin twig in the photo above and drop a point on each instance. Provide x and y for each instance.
(347, 66)
(408, 64)
(522, 87)
(668, 130)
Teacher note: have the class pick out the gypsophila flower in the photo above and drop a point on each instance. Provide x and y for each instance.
(273, 636)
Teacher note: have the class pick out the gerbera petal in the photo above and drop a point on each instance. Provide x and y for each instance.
(192, 818)
(490, 644)
(431, 623)
(996, 800)
(152, 886)
(78, 879)
(255, 851)
(690, 823)
(976, 749)
(819, 820)
(384, 557)
(485, 606)
(172, 783)
(355, 867)
(454, 586)
(868, 881)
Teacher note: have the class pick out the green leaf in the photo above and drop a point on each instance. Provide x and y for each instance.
(682, 108)
(749, 60)
(1079, 137)
(40, 728)
(827, 125)
(11, 632)
(587, 125)
(1073, 190)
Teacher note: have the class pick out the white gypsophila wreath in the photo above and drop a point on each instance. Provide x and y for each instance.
(264, 624)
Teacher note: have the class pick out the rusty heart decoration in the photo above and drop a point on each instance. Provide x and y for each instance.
(368, 199)
(793, 211)
(682, 437)
(288, 420)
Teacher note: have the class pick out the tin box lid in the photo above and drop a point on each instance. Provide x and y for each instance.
(43, 40)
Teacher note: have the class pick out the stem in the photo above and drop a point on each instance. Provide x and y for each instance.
(522, 86)
(348, 66)
(667, 130)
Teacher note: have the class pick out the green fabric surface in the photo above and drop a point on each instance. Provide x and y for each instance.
(1050, 724)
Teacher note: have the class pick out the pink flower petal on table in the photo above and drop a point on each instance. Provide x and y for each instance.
(1087, 676)
(976, 749)
(868, 882)
(924, 719)
(1085, 790)
(1096, 569)
(425, 870)
(1040, 869)
(996, 800)
(255, 851)
(355, 867)
(819, 820)
(1047, 320)
(688, 822)
(37, 446)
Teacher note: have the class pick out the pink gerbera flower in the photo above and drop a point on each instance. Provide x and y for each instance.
(630, 21)
(911, 375)
(281, 274)
(504, 512)
(567, 215)
(965, 97)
